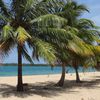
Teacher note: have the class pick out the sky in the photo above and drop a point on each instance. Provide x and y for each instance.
(94, 8)
(94, 14)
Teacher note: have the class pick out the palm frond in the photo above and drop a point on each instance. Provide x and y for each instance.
(85, 23)
(22, 35)
(29, 4)
(59, 34)
(3, 8)
(75, 6)
(6, 47)
(26, 55)
(80, 48)
(50, 20)
(96, 49)
(44, 50)
(4, 18)
(7, 32)
(89, 36)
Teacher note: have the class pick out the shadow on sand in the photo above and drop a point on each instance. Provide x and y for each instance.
(46, 89)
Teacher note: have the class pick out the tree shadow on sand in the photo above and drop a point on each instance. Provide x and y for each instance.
(47, 89)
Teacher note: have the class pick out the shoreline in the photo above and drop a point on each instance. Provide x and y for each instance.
(50, 74)
(15, 64)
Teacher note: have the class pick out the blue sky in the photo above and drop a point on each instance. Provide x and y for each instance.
(94, 8)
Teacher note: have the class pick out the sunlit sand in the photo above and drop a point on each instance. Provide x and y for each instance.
(41, 87)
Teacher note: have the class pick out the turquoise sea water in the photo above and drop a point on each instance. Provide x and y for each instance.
(37, 70)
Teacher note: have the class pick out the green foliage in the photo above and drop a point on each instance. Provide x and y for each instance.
(44, 50)
(7, 32)
(50, 20)
(6, 47)
(48, 25)
(3, 8)
(26, 55)
(22, 35)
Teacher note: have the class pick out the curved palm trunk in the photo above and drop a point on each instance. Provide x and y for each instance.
(62, 79)
(20, 82)
(77, 75)
(75, 64)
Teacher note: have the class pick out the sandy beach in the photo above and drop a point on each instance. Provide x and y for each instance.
(41, 87)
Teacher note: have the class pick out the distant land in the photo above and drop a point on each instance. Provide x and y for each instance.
(15, 64)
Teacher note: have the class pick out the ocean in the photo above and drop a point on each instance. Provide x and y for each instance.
(38, 70)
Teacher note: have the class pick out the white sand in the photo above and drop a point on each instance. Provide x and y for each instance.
(41, 87)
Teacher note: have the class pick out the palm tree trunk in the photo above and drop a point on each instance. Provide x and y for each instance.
(20, 81)
(77, 75)
(75, 64)
(62, 79)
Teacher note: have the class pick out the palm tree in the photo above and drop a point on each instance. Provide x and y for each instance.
(28, 22)
(86, 30)
(62, 58)
(85, 61)
(89, 34)
(66, 55)
(76, 63)
(71, 11)
(95, 60)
